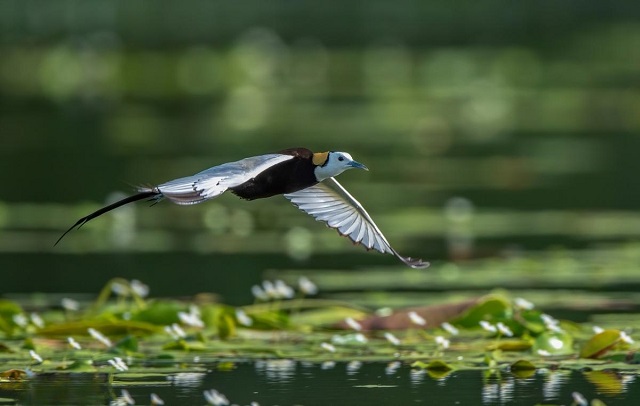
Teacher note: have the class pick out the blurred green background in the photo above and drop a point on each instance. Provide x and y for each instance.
(490, 128)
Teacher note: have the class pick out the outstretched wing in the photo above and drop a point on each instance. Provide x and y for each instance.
(330, 203)
(214, 181)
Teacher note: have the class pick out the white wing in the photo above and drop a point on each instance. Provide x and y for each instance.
(214, 181)
(341, 211)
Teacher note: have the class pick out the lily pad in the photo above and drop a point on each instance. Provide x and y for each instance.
(435, 365)
(492, 309)
(108, 327)
(600, 343)
(553, 343)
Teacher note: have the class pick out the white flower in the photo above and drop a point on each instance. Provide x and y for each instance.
(544, 353)
(442, 342)
(21, 320)
(37, 320)
(391, 338)
(191, 319)
(156, 400)
(328, 347)
(523, 303)
(70, 304)
(597, 329)
(551, 323)
(35, 356)
(283, 290)
(175, 331)
(504, 329)
(120, 289)
(243, 318)
(353, 324)
(449, 328)
(556, 343)
(488, 326)
(306, 286)
(73, 343)
(626, 338)
(178, 330)
(417, 319)
(118, 364)
(215, 398)
(270, 289)
(258, 293)
(139, 288)
(99, 336)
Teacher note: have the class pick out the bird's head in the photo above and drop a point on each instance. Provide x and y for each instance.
(333, 163)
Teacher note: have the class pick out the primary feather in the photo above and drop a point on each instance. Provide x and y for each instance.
(330, 203)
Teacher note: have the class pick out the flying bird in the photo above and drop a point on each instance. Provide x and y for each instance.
(305, 178)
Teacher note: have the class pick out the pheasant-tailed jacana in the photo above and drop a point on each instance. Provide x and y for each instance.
(303, 177)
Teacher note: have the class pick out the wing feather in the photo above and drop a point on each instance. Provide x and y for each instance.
(214, 181)
(330, 203)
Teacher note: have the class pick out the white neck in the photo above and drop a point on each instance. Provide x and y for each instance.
(325, 172)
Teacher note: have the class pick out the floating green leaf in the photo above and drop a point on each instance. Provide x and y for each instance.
(160, 312)
(437, 369)
(492, 309)
(326, 316)
(600, 343)
(523, 368)
(510, 345)
(109, 327)
(553, 343)
(522, 365)
(532, 321)
(183, 345)
(435, 365)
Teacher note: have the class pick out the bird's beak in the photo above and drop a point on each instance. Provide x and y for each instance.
(358, 165)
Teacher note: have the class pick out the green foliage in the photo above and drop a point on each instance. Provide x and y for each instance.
(160, 312)
(601, 343)
(167, 333)
(8, 309)
(491, 309)
(127, 345)
(109, 326)
(553, 343)
(435, 365)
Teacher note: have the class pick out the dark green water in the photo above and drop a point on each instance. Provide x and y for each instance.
(284, 382)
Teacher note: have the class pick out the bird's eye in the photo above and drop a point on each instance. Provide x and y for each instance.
(340, 158)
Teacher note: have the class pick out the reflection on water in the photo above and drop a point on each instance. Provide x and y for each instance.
(285, 382)
(280, 370)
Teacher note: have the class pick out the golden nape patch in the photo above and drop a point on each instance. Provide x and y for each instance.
(319, 158)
